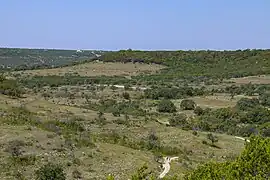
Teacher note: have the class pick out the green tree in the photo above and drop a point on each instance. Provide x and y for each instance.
(246, 104)
(253, 163)
(166, 106)
(265, 99)
(179, 120)
(153, 141)
(198, 111)
(187, 104)
(257, 115)
(2, 78)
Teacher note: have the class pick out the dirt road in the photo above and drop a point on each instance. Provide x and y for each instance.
(166, 166)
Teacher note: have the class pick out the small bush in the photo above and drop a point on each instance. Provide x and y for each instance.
(204, 142)
(153, 141)
(126, 95)
(100, 120)
(14, 147)
(265, 99)
(50, 171)
(195, 133)
(24, 160)
(179, 120)
(187, 104)
(266, 132)
(212, 138)
(246, 104)
(76, 174)
(198, 111)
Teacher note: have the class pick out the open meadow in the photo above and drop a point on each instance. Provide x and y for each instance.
(97, 69)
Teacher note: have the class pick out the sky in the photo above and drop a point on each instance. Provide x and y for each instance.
(135, 24)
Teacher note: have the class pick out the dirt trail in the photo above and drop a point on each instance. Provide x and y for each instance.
(166, 166)
(122, 86)
(242, 138)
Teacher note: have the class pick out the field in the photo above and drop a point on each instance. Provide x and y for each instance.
(163, 104)
(97, 69)
(262, 79)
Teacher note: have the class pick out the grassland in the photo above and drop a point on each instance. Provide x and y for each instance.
(97, 69)
(104, 157)
(66, 116)
(262, 79)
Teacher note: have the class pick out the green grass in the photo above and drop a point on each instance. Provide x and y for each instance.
(102, 157)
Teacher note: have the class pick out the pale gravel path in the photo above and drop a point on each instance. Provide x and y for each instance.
(166, 166)
(237, 137)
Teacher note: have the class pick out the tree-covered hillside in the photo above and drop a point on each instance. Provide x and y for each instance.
(194, 64)
(43, 58)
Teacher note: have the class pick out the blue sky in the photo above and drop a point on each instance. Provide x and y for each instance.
(135, 24)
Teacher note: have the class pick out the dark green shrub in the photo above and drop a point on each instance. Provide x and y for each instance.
(179, 120)
(50, 171)
(187, 104)
(195, 133)
(126, 95)
(153, 141)
(10, 88)
(142, 173)
(198, 111)
(253, 163)
(166, 106)
(247, 130)
(212, 138)
(266, 132)
(247, 104)
(257, 115)
(265, 99)
(15, 148)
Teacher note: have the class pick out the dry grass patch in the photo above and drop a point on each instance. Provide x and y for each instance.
(97, 69)
(214, 101)
(262, 79)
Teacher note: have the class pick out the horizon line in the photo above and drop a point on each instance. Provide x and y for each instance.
(86, 49)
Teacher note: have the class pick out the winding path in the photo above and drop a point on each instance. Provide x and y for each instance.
(166, 166)
(247, 140)
(122, 86)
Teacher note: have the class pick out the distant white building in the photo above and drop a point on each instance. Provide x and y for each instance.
(79, 51)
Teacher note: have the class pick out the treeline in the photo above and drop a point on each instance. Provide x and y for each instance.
(22, 59)
(199, 64)
(180, 92)
(245, 89)
(174, 92)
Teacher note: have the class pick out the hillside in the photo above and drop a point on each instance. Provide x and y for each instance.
(89, 69)
(43, 58)
(133, 111)
(198, 65)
